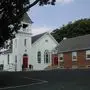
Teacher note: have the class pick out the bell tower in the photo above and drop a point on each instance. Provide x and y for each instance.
(22, 44)
(26, 23)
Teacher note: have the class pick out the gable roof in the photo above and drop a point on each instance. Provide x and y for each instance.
(39, 36)
(74, 44)
(36, 37)
(26, 18)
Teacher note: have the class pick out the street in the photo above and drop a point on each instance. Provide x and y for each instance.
(46, 80)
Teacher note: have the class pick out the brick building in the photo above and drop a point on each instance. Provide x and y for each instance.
(74, 52)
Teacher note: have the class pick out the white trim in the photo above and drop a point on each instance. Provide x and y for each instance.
(60, 55)
(87, 58)
(87, 53)
(46, 52)
(23, 33)
(25, 23)
(74, 55)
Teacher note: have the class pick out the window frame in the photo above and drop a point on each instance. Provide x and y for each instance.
(87, 53)
(39, 56)
(46, 57)
(74, 54)
(61, 56)
(8, 59)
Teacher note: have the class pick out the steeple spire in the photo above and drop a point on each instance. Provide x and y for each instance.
(26, 19)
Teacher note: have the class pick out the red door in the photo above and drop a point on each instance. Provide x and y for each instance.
(25, 61)
(55, 60)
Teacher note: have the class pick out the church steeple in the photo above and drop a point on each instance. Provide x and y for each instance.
(26, 23)
(26, 19)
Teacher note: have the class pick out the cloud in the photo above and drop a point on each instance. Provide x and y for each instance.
(38, 30)
(64, 1)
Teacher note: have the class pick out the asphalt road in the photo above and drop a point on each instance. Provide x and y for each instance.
(46, 80)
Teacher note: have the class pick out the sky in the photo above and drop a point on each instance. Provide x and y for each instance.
(48, 18)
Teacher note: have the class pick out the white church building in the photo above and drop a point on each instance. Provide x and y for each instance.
(28, 52)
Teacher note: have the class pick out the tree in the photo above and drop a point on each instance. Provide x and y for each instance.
(72, 29)
(11, 12)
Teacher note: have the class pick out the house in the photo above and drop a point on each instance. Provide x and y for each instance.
(74, 52)
(27, 52)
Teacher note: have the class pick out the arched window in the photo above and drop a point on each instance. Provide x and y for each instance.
(39, 56)
(46, 56)
(8, 59)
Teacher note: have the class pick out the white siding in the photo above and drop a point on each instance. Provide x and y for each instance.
(21, 49)
(41, 45)
(46, 42)
(4, 61)
(18, 50)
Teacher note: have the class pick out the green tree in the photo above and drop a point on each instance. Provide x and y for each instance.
(11, 12)
(72, 29)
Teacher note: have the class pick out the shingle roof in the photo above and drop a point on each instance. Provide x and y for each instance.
(35, 38)
(73, 44)
(26, 18)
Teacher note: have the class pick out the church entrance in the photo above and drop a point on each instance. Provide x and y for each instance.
(54, 60)
(25, 61)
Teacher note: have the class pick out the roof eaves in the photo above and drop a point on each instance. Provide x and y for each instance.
(74, 50)
(38, 38)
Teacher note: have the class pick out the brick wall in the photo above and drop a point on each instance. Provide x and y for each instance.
(80, 63)
(68, 60)
(81, 59)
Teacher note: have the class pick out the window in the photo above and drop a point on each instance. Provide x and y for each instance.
(39, 56)
(15, 59)
(1, 67)
(87, 66)
(74, 56)
(88, 55)
(25, 25)
(25, 42)
(46, 56)
(61, 58)
(46, 40)
(8, 59)
(15, 63)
